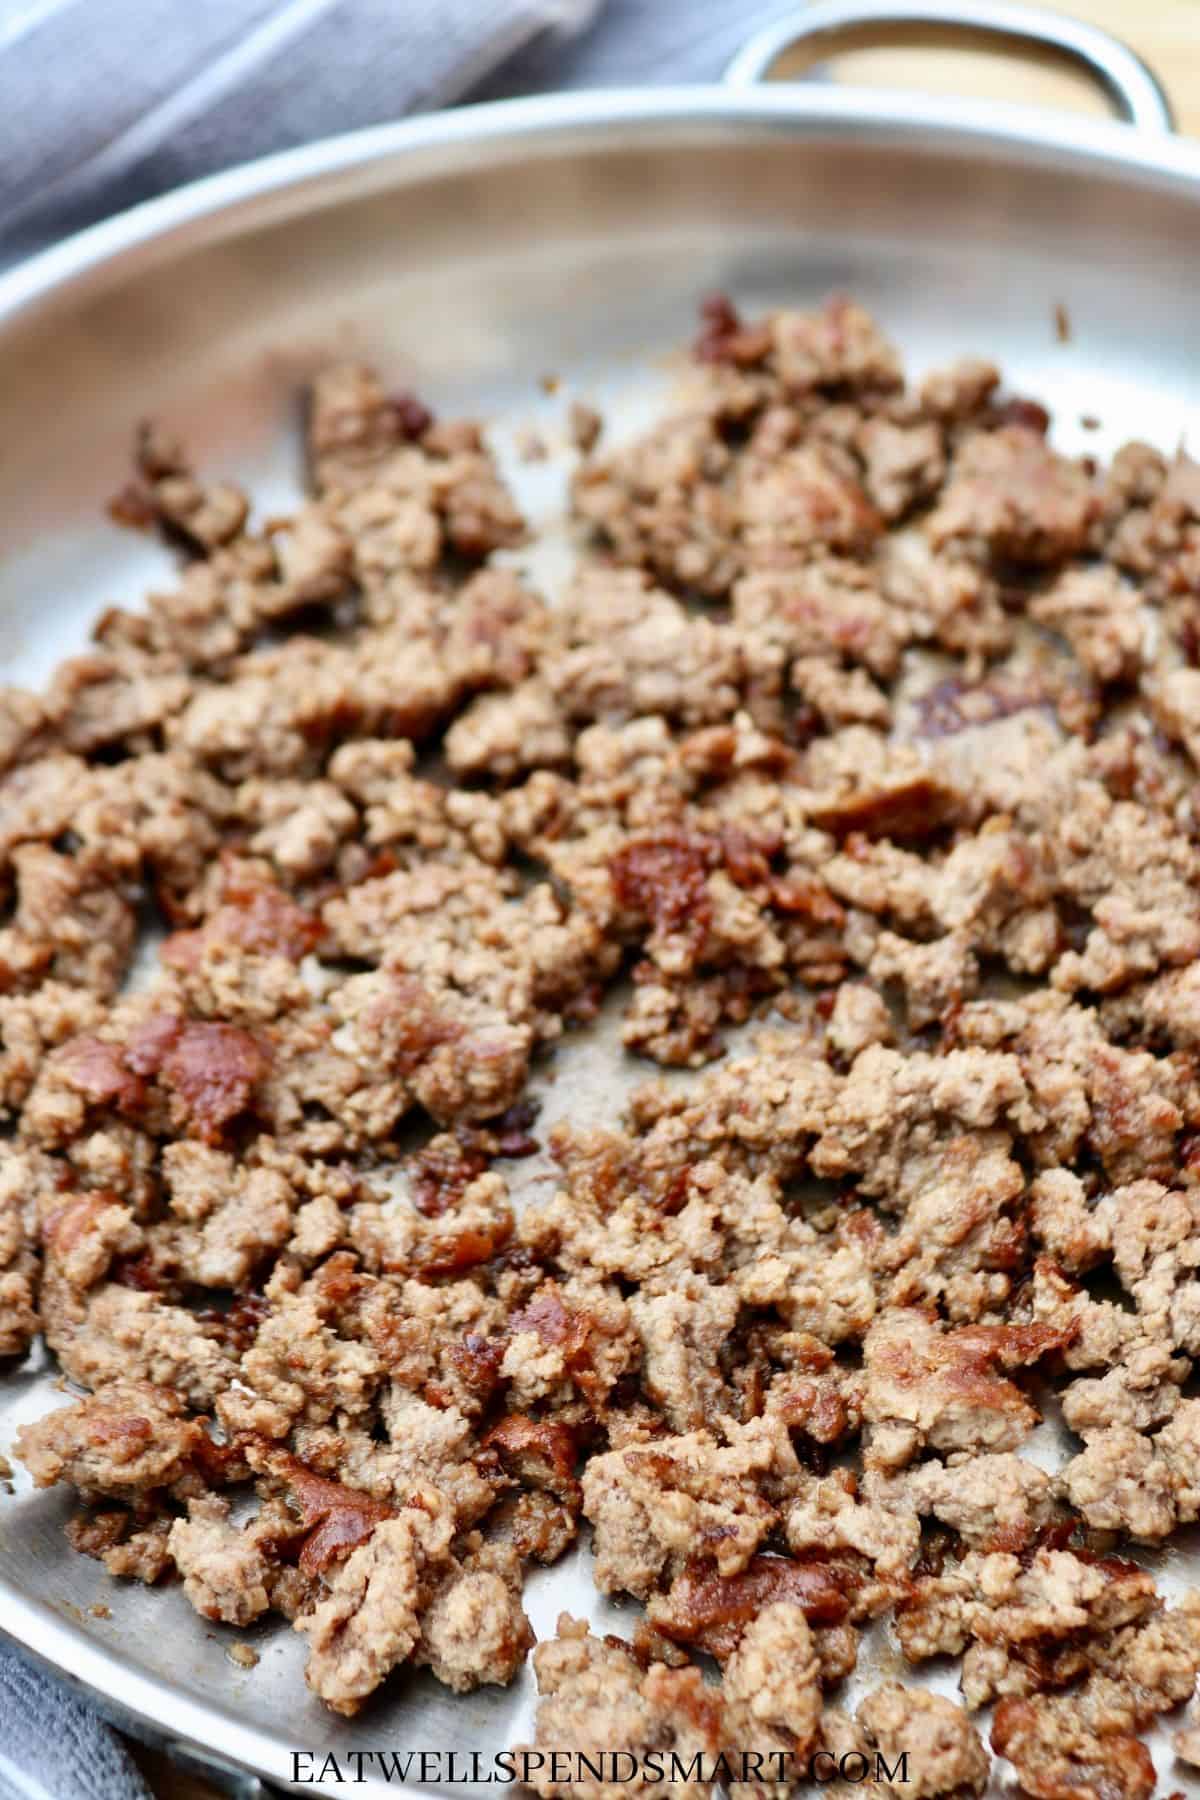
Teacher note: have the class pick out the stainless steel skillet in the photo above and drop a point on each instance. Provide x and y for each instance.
(478, 252)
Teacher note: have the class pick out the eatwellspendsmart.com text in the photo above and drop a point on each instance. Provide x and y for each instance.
(472, 1768)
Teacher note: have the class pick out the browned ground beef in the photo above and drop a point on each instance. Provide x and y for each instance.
(864, 709)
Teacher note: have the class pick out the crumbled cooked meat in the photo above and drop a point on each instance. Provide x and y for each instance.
(1007, 1608)
(682, 1333)
(1142, 1390)
(1101, 618)
(651, 1506)
(1175, 705)
(994, 1502)
(230, 1218)
(826, 608)
(772, 1683)
(857, 705)
(861, 783)
(404, 489)
(227, 1571)
(944, 1389)
(1064, 1222)
(859, 1018)
(894, 1114)
(1187, 1746)
(961, 1236)
(904, 463)
(932, 977)
(1117, 1483)
(371, 1617)
(141, 1555)
(945, 1752)
(502, 734)
(98, 700)
(130, 1437)
(1149, 1667)
(333, 1518)
(298, 1369)
(596, 1697)
(839, 696)
(1009, 495)
(22, 716)
(800, 502)
(628, 650)
(585, 425)
(839, 347)
(1155, 1237)
(711, 1611)
(474, 1630)
(205, 517)
(127, 1332)
(1058, 1755)
(1136, 875)
(959, 389)
(19, 1270)
(69, 923)
(827, 1517)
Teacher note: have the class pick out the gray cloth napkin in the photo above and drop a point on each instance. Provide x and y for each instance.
(107, 102)
(52, 1747)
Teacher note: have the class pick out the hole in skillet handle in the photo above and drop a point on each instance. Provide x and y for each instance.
(1053, 39)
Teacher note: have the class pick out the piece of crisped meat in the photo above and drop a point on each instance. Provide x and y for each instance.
(370, 1619)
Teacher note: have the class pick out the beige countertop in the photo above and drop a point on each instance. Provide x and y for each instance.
(1166, 33)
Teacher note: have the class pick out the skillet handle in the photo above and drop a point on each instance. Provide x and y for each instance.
(1134, 90)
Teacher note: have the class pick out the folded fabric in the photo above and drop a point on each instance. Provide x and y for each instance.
(109, 101)
(52, 1747)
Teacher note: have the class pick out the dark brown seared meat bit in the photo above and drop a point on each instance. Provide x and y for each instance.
(664, 881)
(101, 1073)
(477, 1361)
(442, 1172)
(335, 1519)
(215, 1069)
(539, 1452)
(450, 1252)
(909, 812)
(709, 1611)
(260, 919)
(723, 337)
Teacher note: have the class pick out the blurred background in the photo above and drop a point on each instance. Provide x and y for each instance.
(107, 102)
(1166, 33)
